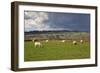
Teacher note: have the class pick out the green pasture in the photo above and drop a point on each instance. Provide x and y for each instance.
(56, 50)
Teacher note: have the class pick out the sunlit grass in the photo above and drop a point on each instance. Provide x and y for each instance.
(56, 50)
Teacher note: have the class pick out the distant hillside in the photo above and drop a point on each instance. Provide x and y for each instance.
(53, 31)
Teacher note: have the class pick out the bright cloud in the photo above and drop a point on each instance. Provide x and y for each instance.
(36, 21)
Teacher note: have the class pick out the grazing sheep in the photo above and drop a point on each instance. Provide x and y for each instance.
(81, 41)
(46, 41)
(37, 43)
(63, 41)
(75, 42)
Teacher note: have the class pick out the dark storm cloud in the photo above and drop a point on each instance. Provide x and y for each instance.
(57, 21)
(73, 21)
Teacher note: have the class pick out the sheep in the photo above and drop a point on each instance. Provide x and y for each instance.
(37, 43)
(46, 40)
(33, 40)
(63, 41)
(81, 41)
(75, 42)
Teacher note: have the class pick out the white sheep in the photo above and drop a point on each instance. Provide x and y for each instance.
(37, 44)
(46, 40)
(63, 41)
(75, 42)
(33, 40)
(81, 41)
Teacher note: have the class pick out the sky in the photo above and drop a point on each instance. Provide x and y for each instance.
(45, 21)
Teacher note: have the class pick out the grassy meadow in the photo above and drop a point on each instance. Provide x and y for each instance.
(56, 50)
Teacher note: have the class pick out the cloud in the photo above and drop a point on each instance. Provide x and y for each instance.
(36, 21)
(56, 21)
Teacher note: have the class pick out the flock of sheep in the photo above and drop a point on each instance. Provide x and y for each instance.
(37, 43)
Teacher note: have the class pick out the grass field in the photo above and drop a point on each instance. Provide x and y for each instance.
(56, 50)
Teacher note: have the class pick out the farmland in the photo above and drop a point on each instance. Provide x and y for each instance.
(56, 50)
(68, 35)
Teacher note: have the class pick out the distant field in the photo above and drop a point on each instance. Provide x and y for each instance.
(56, 50)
